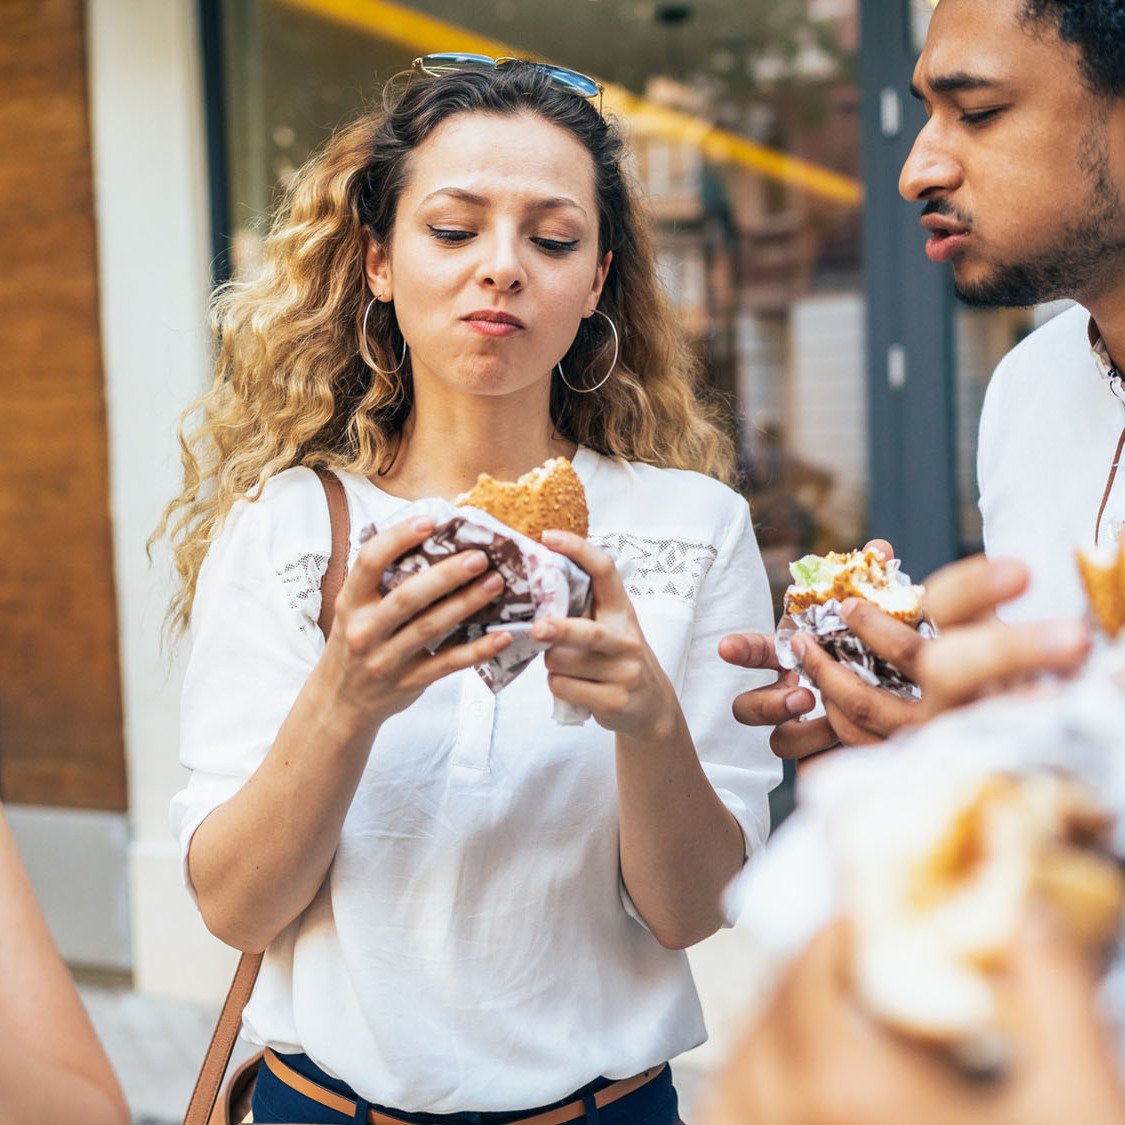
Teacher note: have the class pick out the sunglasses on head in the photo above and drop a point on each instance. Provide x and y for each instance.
(453, 62)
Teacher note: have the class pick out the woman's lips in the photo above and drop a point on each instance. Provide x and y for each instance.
(490, 322)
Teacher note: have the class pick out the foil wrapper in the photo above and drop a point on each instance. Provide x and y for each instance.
(826, 624)
(538, 582)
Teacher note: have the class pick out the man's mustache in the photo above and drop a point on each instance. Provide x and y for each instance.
(944, 207)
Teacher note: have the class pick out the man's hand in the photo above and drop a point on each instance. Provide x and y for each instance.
(976, 654)
(778, 705)
(814, 1057)
(781, 704)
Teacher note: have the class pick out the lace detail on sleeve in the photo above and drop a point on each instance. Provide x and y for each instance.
(302, 579)
(659, 568)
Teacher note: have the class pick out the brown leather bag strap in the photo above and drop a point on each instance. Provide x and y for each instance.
(219, 1050)
(217, 1059)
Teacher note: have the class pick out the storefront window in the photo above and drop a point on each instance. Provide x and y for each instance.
(744, 123)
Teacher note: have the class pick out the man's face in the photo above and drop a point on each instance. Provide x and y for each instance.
(1020, 167)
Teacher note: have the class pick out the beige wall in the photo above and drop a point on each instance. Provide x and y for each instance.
(150, 181)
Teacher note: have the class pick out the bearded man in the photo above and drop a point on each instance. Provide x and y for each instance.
(1020, 170)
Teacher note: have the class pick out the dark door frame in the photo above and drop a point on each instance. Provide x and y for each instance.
(910, 351)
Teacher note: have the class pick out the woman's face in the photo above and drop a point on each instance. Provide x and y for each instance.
(494, 259)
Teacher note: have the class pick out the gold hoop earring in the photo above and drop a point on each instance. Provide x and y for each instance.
(601, 382)
(365, 348)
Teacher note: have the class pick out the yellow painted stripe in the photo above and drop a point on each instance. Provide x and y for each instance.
(399, 24)
(406, 27)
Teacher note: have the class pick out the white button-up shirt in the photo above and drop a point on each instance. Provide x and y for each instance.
(472, 947)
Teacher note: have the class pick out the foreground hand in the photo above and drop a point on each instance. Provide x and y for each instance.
(975, 656)
(377, 647)
(605, 663)
(815, 1058)
(781, 704)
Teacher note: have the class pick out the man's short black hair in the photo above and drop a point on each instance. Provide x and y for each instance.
(1097, 29)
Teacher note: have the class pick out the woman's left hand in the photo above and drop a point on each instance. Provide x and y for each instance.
(605, 663)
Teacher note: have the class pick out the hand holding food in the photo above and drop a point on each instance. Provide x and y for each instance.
(815, 1057)
(936, 886)
(813, 604)
(966, 881)
(603, 664)
(976, 654)
(378, 653)
(785, 704)
(506, 521)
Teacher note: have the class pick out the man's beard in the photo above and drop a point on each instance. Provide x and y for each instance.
(1083, 257)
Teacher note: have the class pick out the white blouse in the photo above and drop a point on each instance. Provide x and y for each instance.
(472, 947)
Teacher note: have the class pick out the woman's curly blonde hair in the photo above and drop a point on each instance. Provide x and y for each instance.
(293, 380)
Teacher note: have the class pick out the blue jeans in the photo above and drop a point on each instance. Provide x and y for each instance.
(654, 1103)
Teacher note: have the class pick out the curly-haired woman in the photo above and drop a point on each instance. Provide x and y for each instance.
(464, 908)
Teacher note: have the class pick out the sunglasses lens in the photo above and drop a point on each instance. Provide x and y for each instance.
(573, 81)
(454, 62)
(451, 62)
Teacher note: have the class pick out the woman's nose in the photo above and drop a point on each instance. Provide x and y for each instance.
(502, 266)
(930, 169)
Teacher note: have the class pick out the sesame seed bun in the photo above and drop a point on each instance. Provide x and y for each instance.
(550, 496)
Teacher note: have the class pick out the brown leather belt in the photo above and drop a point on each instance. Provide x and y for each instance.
(572, 1111)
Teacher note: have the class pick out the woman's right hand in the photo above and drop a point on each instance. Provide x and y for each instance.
(376, 653)
(374, 665)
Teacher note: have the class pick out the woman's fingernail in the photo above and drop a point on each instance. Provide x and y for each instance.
(797, 644)
(545, 631)
(476, 560)
(549, 537)
(797, 703)
(422, 523)
(493, 584)
(847, 606)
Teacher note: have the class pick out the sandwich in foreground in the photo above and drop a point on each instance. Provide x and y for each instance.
(1103, 577)
(937, 886)
(937, 848)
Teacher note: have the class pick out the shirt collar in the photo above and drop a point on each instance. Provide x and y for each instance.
(1101, 353)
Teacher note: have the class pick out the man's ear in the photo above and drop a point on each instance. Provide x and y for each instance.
(377, 268)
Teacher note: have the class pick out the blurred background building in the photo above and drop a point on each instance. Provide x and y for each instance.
(144, 142)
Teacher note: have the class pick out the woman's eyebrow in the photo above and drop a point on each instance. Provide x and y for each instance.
(460, 194)
(550, 203)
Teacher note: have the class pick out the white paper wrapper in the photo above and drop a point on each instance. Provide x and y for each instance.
(789, 892)
(538, 582)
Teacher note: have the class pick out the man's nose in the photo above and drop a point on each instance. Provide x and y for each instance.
(930, 169)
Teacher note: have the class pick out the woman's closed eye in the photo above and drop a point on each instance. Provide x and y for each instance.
(456, 236)
(556, 245)
(450, 235)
